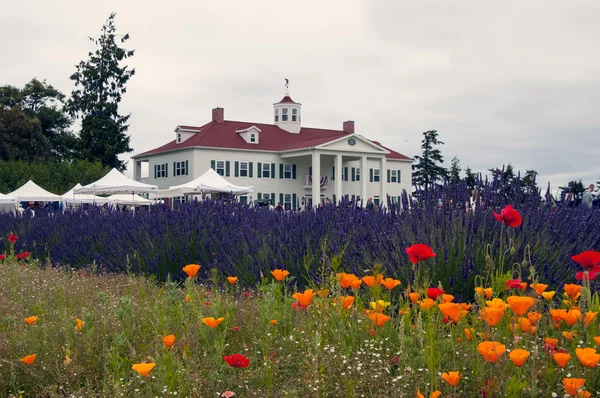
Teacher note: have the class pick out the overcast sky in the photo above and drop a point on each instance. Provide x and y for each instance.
(516, 81)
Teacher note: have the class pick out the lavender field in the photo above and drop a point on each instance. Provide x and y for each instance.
(239, 240)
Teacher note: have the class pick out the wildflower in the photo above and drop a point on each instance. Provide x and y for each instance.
(496, 303)
(539, 288)
(469, 333)
(273, 322)
(434, 394)
(434, 292)
(419, 252)
(379, 319)
(414, 297)
(561, 358)
(279, 274)
(491, 350)
(587, 259)
(572, 290)
(371, 281)
(232, 279)
(347, 302)
(525, 325)
(228, 394)
(390, 283)
(212, 322)
(484, 291)
(323, 293)
(571, 317)
(550, 344)
(143, 368)
(589, 317)
(451, 378)
(569, 335)
(590, 274)
(191, 270)
(188, 298)
(518, 356)
(447, 298)
(492, 315)
(169, 340)
(237, 360)
(597, 340)
(355, 284)
(235, 328)
(304, 298)
(379, 305)
(426, 304)
(31, 320)
(509, 216)
(572, 386)
(534, 317)
(515, 284)
(548, 295)
(28, 360)
(452, 312)
(519, 304)
(22, 256)
(2, 257)
(79, 324)
(12, 238)
(588, 357)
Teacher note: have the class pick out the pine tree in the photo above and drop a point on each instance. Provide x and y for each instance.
(455, 170)
(470, 178)
(428, 169)
(100, 84)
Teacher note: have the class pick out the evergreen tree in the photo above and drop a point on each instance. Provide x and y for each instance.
(455, 170)
(428, 169)
(100, 84)
(529, 183)
(470, 178)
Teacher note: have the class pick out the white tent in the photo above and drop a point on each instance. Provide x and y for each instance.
(116, 182)
(208, 182)
(7, 203)
(72, 198)
(126, 199)
(31, 192)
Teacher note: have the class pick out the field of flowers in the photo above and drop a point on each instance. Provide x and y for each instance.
(350, 333)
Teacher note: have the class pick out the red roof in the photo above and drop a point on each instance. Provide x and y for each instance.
(271, 138)
(287, 99)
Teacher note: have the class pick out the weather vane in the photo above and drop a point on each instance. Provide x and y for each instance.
(287, 82)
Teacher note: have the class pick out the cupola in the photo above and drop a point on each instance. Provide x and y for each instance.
(287, 113)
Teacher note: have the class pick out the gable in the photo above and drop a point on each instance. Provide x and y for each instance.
(353, 143)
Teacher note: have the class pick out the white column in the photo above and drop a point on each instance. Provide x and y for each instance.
(364, 179)
(383, 182)
(338, 177)
(137, 172)
(316, 178)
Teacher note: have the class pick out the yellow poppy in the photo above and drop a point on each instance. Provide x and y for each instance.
(548, 295)
(379, 305)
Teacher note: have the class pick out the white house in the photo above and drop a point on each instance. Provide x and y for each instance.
(285, 162)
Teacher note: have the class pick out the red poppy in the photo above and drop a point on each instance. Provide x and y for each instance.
(2, 257)
(235, 328)
(419, 252)
(509, 216)
(237, 360)
(587, 259)
(515, 284)
(22, 256)
(592, 274)
(12, 238)
(434, 292)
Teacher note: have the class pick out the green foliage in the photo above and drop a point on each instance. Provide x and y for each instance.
(428, 169)
(56, 177)
(100, 84)
(455, 170)
(21, 138)
(470, 178)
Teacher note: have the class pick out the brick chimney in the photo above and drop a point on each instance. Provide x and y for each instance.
(349, 127)
(218, 115)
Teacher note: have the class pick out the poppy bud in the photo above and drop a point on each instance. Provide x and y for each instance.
(512, 251)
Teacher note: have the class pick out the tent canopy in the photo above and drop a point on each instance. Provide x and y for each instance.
(128, 199)
(208, 182)
(31, 192)
(116, 182)
(71, 197)
(5, 199)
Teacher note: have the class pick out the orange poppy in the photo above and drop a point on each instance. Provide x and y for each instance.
(466, 306)
(304, 298)
(496, 303)
(379, 319)
(279, 274)
(525, 324)
(588, 357)
(31, 320)
(143, 368)
(447, 298)
(371, 281)
(273, 322)
(212, 322)
(188, 298)
(469, 333)
(572, 385)
(534, 317)
(347, 279)
(572, 290)
(79, 324)
(390, 283)
(434, 394)
(191, 270)
(597, 340)
(491, 350)
(539, 288)
(451, 378)
(551, 341)
(355, 284)
(426, 304)
(548, 295)
(589, 317)
(232, 279)
(488, 292)
(561, 358)
(452, 312)
(347, 302)
(520, 304)
(323, 293)
(169, 340)
(492, 315)
(414, 297)
(569, 335)
(28, 360)
(518, 356)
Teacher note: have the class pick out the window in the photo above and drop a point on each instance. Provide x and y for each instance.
(376, 199)
(375, 175)
(266, 170)
(220, 168)
(294, 114)
(178, 137)
(243, 169)
(287, 171)
(161, 170)
(394, 176)
(266, 196)
(181, 168)
(276, 115)
(287, 201)
(284, 114)
(357, 174)
(253, 137)
(243, 199)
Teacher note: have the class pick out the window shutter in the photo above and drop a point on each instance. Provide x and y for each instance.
(259, 171)
(345, 174)
(236, 169)
(174, 169)
(294, 201)
(250, 169)
(155, 171)
(333, 174)
(398, 177)
(227, 168)
(357, 174)
(166, 169)
(273, 198)
(389, 172)
(259, 196)
(280, 170)
(281, 198)
(294, 171)
(187, 169)
(353, 174)
(371, 175)
(212, 165)
(310, 171)
(272, 170)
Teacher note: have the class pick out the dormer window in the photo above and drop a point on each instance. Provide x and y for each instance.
(294, 114)
(284, 114)
(178, 138)
(249, 134)
(252, 137)
(276, 115)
